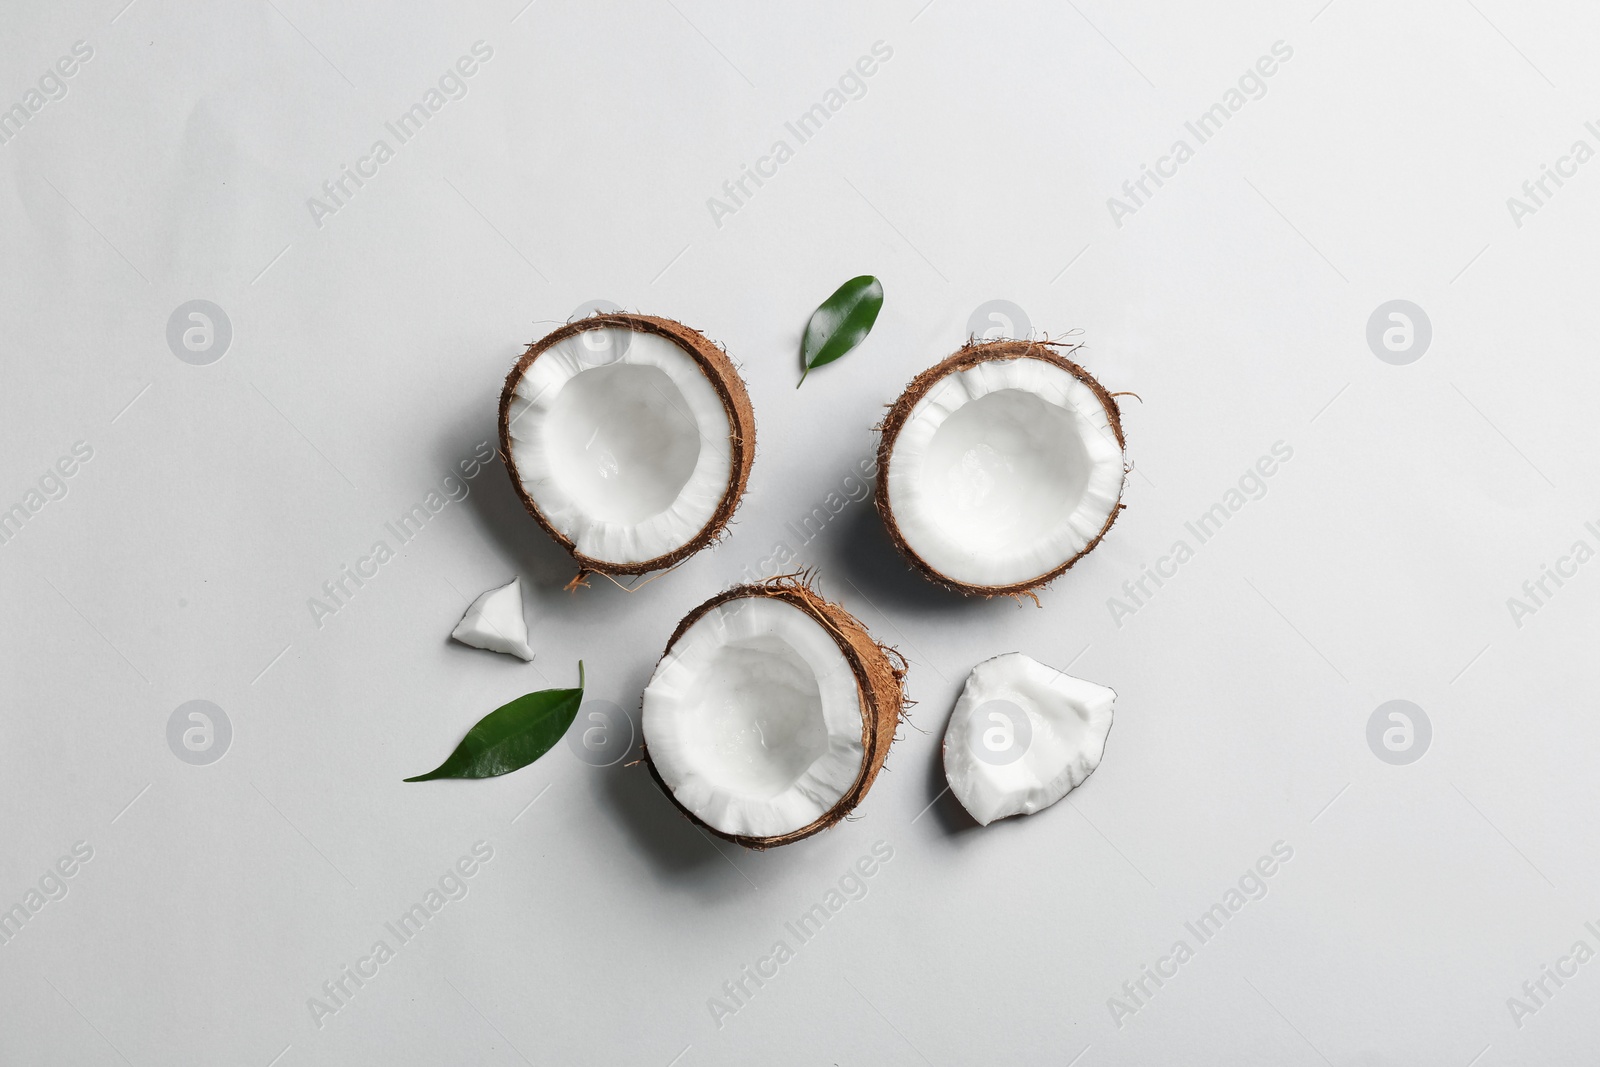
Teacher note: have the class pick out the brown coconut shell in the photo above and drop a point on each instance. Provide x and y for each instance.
(880, 676)
(724, 378)
(970, 355)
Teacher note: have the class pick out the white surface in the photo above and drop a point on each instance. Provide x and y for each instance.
(1374, 562)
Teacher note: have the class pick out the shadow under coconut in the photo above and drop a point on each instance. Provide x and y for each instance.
(674, 845)
(946, 810)
(507, 523)
(867, 557)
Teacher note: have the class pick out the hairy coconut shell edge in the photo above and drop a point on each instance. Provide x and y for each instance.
(970, 355)
(880, 675)
(724, 378)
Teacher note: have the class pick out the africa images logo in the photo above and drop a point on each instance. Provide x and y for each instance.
(199, 332)
(199, 732)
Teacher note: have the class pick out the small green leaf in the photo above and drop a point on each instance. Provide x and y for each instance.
(513, 735)
(842, 322)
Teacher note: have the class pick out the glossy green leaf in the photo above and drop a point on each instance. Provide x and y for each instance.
(842, 322)
(513, 735)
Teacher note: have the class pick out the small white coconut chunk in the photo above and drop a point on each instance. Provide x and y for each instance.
(495, 622)
(1004, 471)
(1023, 736)
(622, 442)
(753, 719)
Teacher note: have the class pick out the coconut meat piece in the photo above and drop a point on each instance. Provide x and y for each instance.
(753, 719)
(495, 622)
(622, 443)
(1004, 471)
(1023, 735)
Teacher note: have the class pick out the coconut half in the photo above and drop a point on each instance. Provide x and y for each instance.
(629, 438)
(770, 713)
(1000, 467)
(1022, 736)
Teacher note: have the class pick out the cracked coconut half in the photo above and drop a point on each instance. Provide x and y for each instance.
(1000, 467)
(770, 713)
(629, 438)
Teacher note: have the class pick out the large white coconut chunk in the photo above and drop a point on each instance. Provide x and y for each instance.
(1023, 736)
(495, 622)
(1003, 472)
(753, 719)
(621, 442)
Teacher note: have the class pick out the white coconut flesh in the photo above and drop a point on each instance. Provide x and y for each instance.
(621, 442)
(753, 719)
(1003, 472)
(495, 622)
(1023, 735)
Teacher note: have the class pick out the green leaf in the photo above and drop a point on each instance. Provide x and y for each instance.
(513, 735)
(842, 322)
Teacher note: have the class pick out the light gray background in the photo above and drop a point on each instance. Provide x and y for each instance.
(365, 363)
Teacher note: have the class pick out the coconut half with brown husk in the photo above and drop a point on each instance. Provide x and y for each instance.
(770, 713)
(629, 438)
(1000, 467)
